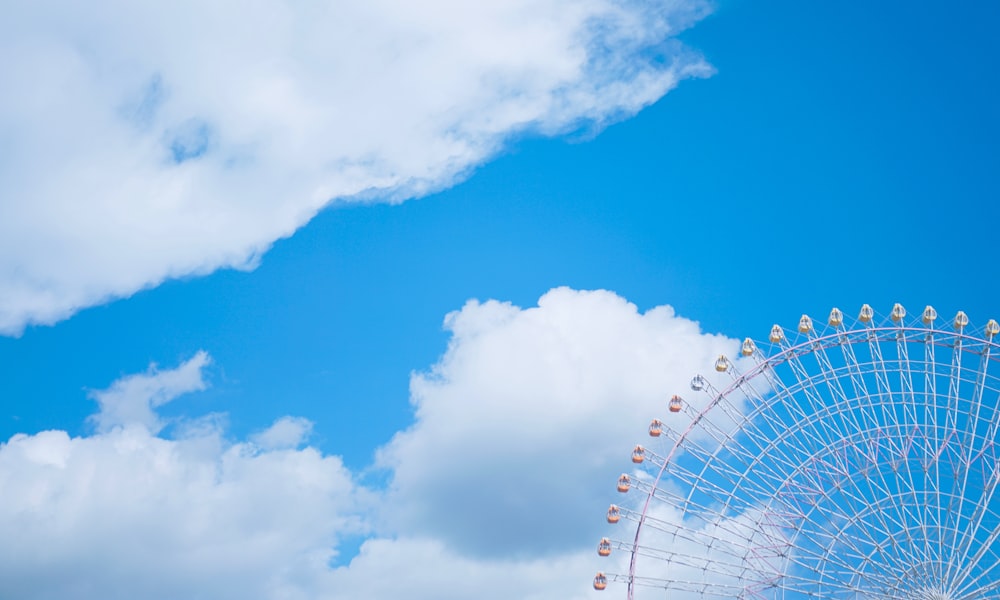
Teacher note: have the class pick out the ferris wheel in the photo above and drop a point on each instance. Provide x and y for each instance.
(853, 460)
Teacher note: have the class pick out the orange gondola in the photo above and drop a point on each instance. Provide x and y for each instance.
(614, 514)
(600, 582)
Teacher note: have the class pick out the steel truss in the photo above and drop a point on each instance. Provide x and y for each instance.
(843, 461)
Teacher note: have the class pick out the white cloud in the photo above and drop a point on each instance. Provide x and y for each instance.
(126, 514)
(131, 399)
(140, 142)
(523, 426)
(286, 432)
(423, 568)
(498, 489)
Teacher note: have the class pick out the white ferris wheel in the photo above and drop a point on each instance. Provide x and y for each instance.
(853, 460)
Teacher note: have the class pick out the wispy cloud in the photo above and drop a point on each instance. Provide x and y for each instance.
(286, 432)
(144, 142)
(132, 400)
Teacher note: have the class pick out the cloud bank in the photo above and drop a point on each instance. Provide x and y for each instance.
(124, 513)
(141, 142)
(497, 490)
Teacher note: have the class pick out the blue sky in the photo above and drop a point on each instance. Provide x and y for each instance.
(835, 154)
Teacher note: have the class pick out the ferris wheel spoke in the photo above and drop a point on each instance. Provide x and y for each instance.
(848, 535)
(805, 556)
(985, 548)
(920, 443)
(689, 450)
(992, 585)
(881, 409)
(705, 479)
(755, 490)
(713, 490)
(945, 458)
(906, 384)
(842, 471)
(970, 438)
(732, 565)
(768, 413)
(737, 578)
(895, 516)
(821, 432)
(969, 591)
(767, 471)
(706, 515)
(813, 398)
(702, 588)
(820, 530)
(951, 512)
(801, 431)
(932, 423)
(980, 511)
(846, 579)
(917, 481)
(678, 531)
(913, 408)
(870, 567)
(860, 389)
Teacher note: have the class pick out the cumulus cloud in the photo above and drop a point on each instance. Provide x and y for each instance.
(520, 431)
(426, 568)
(141, 142)
(127, 514)
(497, 490)
(530, 414)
